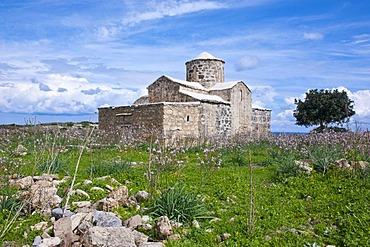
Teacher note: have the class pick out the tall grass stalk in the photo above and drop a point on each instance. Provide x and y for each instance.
(251, 203)
(83, 146)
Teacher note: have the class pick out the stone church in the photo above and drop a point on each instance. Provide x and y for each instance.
(202, 106)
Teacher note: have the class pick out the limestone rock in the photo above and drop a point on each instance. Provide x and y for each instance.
(63, 230)
(39, 226)
(109, 236)
(163, 227)
(97, 188)
(139, 237)
(82, 193)
(133, 222)
(120, 195)
(82, 204)
(106, 219)
(76, 220)
(50, 242)
(23, 183)
(43, 195)
(152, 244)
(142, 196)
(37, 241)
(174, 237)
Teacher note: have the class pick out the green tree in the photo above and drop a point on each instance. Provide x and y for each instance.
(323, 107)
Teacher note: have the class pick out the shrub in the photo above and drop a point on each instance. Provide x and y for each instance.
(288, 168)
(323, 157)
(179, 205)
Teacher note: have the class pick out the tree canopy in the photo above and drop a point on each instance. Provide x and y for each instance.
(323, 107)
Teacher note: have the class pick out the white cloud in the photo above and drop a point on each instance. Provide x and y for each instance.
(61, 94)
(246, 63)
(171, 8)
(313, 36)
(263, 95)
(361, 101)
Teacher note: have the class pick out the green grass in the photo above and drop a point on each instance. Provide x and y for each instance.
(328, 207)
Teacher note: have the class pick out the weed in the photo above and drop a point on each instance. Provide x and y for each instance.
(179, 205)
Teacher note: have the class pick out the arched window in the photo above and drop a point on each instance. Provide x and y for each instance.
(187, 118)
(241, 95)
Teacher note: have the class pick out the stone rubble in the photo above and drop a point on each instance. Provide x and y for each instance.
(87, 226)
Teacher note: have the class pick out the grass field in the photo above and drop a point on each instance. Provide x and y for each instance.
(279, 204)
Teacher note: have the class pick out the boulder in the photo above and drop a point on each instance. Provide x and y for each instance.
(43, 195)
(120, 195)
(163, 227)
(106, 219)
(50, 242)
(22, 183)
(63, 230)
(142, 196)
(133, 222)
(139, 237)
(98, 236)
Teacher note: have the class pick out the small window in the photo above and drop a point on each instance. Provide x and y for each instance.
(187, 118)
(241, 95)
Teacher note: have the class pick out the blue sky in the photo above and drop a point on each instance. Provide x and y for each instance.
(61, 60)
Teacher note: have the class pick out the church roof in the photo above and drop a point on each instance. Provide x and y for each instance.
(195, 85)
(204, 97)
(205, 55)
(224, 85)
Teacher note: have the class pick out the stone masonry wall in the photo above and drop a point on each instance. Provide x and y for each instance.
(261, 122)
(148, 116)
(240, 98)
(164, 90)
(181, 120)
(205, 71)
(215, 120)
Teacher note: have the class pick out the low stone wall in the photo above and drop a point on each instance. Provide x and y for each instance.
(261, 122)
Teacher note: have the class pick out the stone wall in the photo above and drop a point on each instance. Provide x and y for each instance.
(261, 122)
(240, 98)
(205, 71)
(148, 116)
(215, 120)
(164, 90)
(181, 120)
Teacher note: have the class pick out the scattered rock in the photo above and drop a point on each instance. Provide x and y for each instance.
(163, 227)
(145, 218)
(174, 237)
(152, 244)
(108, 187)
(23, 183)
(133, 222)
(87, 182)
(223, 237)
(214, 220)
(139, 238)
(50, 242)
(97, 188)
(106, 219)
(98, 236)
(43, 196)
(142, 196)
(82, 193)
(39, 226)
(304, 165)
(77, 219)
(82, 204)
(21, 150)
(63, 230)
(195, 224)
(36, 241)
